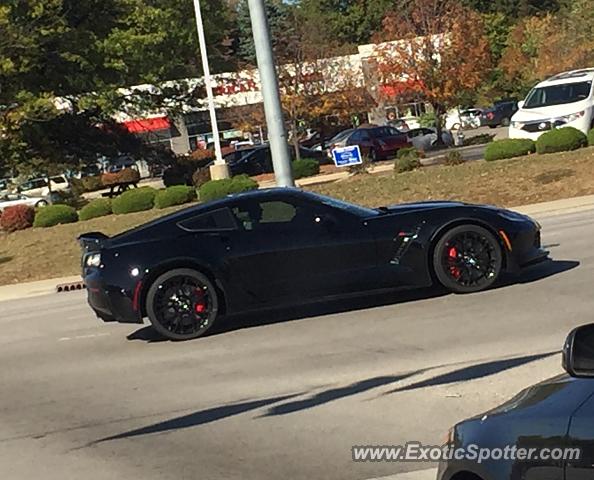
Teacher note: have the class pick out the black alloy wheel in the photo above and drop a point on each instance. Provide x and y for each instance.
(467, 259)
(182, 304)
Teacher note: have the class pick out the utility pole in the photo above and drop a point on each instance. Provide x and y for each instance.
(220, 169)
(279, 147)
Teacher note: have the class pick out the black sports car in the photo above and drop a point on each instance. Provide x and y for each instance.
(287, 246)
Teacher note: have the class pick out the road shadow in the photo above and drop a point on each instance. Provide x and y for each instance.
(5, 259)
(333, 394)
(538, 272)
(195, 419)
(473, 372)
(361, 301)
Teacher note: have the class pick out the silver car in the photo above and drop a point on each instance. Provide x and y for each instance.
(10, 200)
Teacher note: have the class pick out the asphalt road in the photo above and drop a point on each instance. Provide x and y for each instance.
(279, 394)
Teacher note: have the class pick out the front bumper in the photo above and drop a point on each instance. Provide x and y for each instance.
(110, 303)
(526, 249)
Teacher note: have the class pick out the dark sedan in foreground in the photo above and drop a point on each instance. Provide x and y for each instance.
(547, 429)
(286, 246)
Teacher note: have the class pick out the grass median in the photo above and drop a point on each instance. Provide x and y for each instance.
(41, 253)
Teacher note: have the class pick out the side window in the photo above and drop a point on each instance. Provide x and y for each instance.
(211, 221)
(365, 135)
(274, 215)
(355, 137)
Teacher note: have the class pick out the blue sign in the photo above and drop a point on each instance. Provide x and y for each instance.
(346, 156)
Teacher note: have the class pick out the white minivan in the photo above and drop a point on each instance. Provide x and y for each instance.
(565, 100)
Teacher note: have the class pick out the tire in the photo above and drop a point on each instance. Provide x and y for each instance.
(182, 304)
(492, 126)
(373, 155)
(41, 203)
(505, 122)
(467, 259)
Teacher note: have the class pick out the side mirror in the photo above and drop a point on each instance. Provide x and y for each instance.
(578, 352)
(520, 104)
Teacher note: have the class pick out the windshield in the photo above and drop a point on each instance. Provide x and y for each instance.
(346, 206)
(558, 94)
(341, 135)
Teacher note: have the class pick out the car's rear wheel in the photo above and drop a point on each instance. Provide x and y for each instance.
(182, 304)
(505, 122)
(467, 259)
(41, 203)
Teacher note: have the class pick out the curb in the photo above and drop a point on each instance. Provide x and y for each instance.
(428, 474)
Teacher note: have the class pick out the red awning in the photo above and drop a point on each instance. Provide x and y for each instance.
(147, 125)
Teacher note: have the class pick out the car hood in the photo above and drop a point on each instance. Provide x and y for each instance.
(416, 206)
(546, 113)
(558, 395)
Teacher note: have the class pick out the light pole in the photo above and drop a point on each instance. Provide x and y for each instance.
(279, 147)
(220, 169)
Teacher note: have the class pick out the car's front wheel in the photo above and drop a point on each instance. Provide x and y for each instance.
(41, 203)
(182, 304)
(467, 259)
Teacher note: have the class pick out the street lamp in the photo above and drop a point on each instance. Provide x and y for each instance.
(220, 169)
(277, 136)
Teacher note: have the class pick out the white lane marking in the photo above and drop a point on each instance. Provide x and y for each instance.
(81, 337)
(429, 474)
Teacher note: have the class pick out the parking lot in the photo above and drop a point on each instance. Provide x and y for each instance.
(281, 394)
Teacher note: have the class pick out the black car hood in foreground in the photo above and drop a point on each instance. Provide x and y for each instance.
(537, 417)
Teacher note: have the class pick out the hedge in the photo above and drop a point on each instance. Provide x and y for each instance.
(510, 148)
(561, 140)
(176, 195)
(136, 200)
(407, 152)
(305, 167)
(99, 207)
(221, 188)
(406, 163)
(17, 217)
(591, 138)
(55, 215)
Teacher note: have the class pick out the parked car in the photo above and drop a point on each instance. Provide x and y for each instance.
(465, 119)
(283, 245)
(500, 114)
(10, 200)
(339, 140)
(426, 138)
(378, 142)
(565, 100)
(258, 160)
(557, 413)
(38, 187)
(4, 185)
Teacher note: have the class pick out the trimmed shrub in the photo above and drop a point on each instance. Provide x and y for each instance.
(406, 164)
(18, 217)
(92, 184)
(561, 140)
(591, 138)
(509, 148)
(176, 195)
(454, 157)
(221, 188)
(408, 152)
(428, 120)
(305, 167)
(481, 139)
(126, 175)
(136, 200)
(55, 215)
(200, 177)
(100, 207)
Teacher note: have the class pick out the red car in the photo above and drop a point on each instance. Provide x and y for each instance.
(379, 142)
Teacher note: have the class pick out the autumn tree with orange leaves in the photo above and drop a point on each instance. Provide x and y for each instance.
(439, 48)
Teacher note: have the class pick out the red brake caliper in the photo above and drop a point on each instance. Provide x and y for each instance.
(453, 255)
(200, 305)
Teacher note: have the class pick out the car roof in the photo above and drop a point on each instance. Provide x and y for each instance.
(572, 76)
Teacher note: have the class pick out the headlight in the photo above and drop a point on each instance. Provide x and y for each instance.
(93, 260)
(573, 117)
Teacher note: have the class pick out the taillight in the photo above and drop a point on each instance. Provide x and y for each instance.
(490, 115)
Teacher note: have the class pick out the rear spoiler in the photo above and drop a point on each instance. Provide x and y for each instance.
(92, 241)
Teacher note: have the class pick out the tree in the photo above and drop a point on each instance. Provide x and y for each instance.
(515, 8)
(441, 53)
(66, 61)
